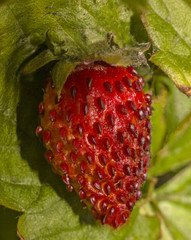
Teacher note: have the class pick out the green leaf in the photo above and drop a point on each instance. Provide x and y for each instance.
(55, 225)
(39, 61)
(158, 119)
(54, 217)
(171, 141)
(175, 209)
(164, 21)
(176, 153)
(178, 188)
(178, 107)
(174, 206)
(72, 28)
(171, 202)
(8, 224)
(17, 178)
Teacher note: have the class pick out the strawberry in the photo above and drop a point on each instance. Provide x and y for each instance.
(97, 136)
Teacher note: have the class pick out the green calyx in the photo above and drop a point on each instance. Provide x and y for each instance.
(123, 57)
(112, 54)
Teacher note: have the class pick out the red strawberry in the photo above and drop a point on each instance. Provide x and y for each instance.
(97, 137)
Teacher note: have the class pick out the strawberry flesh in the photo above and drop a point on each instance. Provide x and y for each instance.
(97, 137)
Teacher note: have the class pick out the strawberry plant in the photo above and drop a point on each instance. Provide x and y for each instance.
(105, 86)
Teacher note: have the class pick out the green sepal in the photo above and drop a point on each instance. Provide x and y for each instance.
(39, 61)
(133, 56)
(60, 73)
